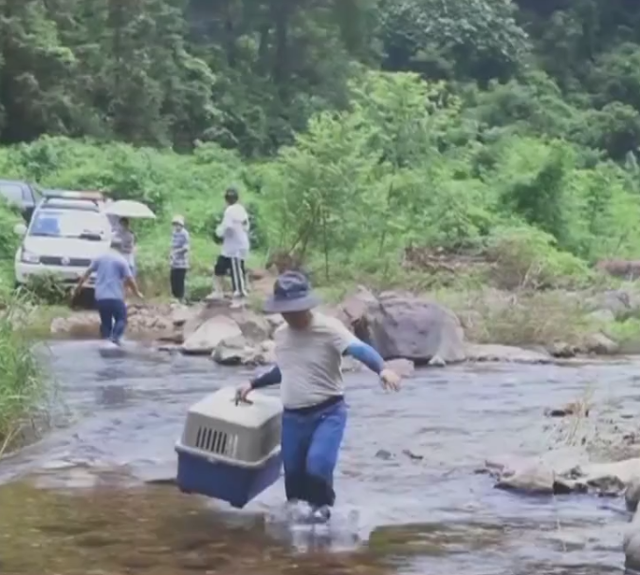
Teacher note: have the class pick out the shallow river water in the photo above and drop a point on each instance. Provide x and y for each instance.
(76, 502)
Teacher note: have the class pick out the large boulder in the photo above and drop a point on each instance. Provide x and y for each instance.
(401, 325)
(253, 326)
(205, 339)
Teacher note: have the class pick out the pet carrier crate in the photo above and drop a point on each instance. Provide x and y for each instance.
(230, 452)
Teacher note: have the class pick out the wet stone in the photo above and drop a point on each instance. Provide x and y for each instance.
(384, 455)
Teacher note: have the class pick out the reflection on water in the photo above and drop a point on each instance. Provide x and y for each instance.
(146, 531)
(83, 507)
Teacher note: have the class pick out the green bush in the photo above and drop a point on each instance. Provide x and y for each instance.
(405, 167)
(22, 380)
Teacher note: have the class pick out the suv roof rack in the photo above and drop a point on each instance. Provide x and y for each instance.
(92, 196)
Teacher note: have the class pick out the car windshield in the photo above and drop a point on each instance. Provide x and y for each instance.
(80, 224)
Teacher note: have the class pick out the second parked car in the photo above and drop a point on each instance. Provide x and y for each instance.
(22, 195)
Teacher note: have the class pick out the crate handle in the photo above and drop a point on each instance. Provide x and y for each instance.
(239, 401)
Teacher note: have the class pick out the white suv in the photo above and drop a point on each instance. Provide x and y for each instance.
(67, 231)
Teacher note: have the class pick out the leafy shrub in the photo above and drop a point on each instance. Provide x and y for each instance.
(404, 166)
(22, 380)
(526, 258)
(46, 289)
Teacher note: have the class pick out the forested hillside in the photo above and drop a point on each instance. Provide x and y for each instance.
(247, 73)
(357, 128)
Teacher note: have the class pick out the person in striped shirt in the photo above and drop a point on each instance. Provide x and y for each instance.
(179, 257)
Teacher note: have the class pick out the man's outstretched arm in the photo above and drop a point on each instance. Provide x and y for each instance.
(271, 377)
(365, 354)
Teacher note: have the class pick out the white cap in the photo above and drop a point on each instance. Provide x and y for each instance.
(178, 220)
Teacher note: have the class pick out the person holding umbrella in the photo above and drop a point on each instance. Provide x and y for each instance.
(309, 347)
(128, 241)
(124, 211)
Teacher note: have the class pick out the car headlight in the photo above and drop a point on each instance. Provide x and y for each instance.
(29, 257)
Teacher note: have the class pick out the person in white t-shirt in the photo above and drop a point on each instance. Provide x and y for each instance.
(234, 233)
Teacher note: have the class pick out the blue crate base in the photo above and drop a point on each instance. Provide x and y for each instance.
(233, 484)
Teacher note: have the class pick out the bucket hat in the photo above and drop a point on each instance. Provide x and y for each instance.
(291, 293)
(178, 220)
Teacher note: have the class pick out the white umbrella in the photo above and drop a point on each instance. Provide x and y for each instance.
(130, 209)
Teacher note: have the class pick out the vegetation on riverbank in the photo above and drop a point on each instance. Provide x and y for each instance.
(22, 379)
(385, 142)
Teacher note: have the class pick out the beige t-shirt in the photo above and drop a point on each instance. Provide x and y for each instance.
(310, 361)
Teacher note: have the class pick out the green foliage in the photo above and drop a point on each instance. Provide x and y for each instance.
(459, 38)
(45, 289)
(528, 258)
(506, 129)
(21, 377)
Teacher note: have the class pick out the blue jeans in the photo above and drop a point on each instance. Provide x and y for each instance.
(113, 318)
(310, 446)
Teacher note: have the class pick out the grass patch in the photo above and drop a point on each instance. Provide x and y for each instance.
(626, 333)
(518, 318)
(22, 380)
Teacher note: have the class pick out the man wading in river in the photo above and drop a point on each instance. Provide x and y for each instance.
(113, 273)
(309, 350)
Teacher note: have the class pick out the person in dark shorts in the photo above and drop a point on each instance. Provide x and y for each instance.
(234, 233)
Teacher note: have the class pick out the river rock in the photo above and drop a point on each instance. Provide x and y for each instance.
(563, 350)
(622, 473)
(180, 314)
(233, 351)
(199, 314)
(208, 336)
(572, 472)
(506, 353)
(600, 344)
(533, 479)
(152, 320)
(254, 327)
(627, 269)
(77, 324)
(401, 325)
(238, 351)
(621, 303)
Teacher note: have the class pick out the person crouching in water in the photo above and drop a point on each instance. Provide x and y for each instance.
(309, 347)
(113, 275)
